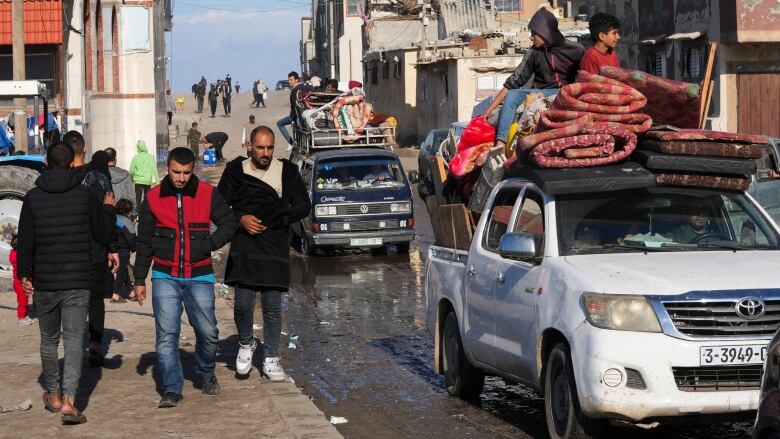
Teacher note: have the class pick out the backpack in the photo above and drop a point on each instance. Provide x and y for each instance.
(194, 88)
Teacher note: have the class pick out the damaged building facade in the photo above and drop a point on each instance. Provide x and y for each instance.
(104, 64)
(671, 38)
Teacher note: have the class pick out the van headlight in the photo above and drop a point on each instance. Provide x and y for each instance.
(400, 207)
(620, 312)
(325, 210)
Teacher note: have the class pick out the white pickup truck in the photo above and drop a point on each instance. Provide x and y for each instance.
(616, 298)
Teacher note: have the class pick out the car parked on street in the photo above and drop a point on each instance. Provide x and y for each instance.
(426, 158)
(282, 85)
(580, 284)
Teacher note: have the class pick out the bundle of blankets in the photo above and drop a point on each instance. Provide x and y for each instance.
(700, 158)
(592, 122)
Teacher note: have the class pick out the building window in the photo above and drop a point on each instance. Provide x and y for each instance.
(445, 78)
(509, 5)
(692, 63)
(374, 76)
(424, 86)
(397, 69)
(659, 65)
(355, 8)
(385, 70)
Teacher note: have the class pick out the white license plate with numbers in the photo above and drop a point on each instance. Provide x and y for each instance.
(361, 242)
(732, 355)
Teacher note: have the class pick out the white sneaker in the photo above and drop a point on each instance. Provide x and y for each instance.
(289, 147)
(244, 358)
(24, 322)
(272, 370)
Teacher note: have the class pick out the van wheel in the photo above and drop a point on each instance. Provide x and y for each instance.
(462, 379)
(561, 405)
(402, 248)
(308, 248)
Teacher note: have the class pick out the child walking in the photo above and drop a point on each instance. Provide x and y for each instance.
(22, 301)
(125, 245)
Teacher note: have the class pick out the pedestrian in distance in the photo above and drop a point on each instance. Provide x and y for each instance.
(193, 140)
(238, 88)
(120, 178)
(225, 92)
(169, 106)
(255, 95)
(60, 218)
(248, 127)
(200, 94)
(22, 301)
(125, 246)
(213, 95)
(181, 208)
(217, 140)
(143, 170)
(267, 196)
(97, 177)
(605, 34)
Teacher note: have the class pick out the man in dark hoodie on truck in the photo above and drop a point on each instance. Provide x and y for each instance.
(553, 62)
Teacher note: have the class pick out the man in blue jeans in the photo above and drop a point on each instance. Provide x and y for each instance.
(297, 88)
(174, 232)
(552, 62)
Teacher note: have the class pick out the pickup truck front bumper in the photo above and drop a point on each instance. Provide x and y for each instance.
(660, 376)
(346, 239)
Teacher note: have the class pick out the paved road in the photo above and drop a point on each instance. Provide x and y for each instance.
(362, 351)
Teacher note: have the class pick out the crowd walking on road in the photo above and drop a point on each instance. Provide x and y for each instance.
(81, 224)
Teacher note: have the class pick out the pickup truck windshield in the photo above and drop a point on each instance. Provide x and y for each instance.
(661, 219)
(359, 174)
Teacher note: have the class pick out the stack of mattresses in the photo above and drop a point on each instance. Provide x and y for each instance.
(700, 158)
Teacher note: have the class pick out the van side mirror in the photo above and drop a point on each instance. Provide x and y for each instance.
(517, 246)
(414, 177)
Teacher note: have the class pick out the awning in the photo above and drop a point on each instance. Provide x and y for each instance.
(42, 22)
(655, 39)
(686, 36)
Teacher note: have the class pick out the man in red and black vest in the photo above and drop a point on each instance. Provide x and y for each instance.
(174, 234)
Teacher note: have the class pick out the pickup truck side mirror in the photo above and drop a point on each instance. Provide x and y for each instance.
(414, 177)
(517, 246)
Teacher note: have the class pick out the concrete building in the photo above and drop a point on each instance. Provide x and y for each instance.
(105, 65)
(391, 87)
(672, 40)
(337, 39)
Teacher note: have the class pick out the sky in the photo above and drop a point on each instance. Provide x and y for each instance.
(249, 39)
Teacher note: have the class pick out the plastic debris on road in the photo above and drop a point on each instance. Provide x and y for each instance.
(257, 327)
(223, 290)
(292, 345)
(336, 420)
(27, 405)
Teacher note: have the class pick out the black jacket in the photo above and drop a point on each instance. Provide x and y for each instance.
(60, 219)
(263, 261)
(296, 100)
(564, 55)
(166, 225)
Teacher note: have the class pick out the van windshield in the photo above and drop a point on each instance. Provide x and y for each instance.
(359, 174)
(661, 219)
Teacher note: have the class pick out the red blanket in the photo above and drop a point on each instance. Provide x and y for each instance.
(634, 122)
(599, 96)
(696, 134)
(577, 146)
(671, 102)
(465, 161)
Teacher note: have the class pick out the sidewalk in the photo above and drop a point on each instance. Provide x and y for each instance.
(120, 400)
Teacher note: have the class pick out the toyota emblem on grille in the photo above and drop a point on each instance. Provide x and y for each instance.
(363, 208)
(750, 308)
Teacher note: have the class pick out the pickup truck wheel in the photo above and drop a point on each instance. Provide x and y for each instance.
(462, 379)
(402, 248)
(15, 181)
(561, 405)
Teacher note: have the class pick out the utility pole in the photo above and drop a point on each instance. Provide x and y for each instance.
(425, 8)
(20, 104)
(331, 40)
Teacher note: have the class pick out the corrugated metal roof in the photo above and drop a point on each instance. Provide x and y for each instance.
(42, 22)
(459, 15)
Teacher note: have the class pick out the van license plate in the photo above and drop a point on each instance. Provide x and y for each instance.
(736, 354)
(362, 242)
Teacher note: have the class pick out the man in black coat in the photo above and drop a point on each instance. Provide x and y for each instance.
(267, 196)
(59, 221)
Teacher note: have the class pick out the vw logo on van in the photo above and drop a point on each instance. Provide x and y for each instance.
(750, 308)
(364, 208)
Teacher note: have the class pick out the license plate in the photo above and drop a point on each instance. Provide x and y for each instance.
(732, 354)
(361, 242)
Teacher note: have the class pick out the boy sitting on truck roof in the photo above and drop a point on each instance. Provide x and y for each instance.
(605, 34)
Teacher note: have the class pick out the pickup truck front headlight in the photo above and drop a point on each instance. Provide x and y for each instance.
(325, 210)
(400, 207)
(620, 312)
